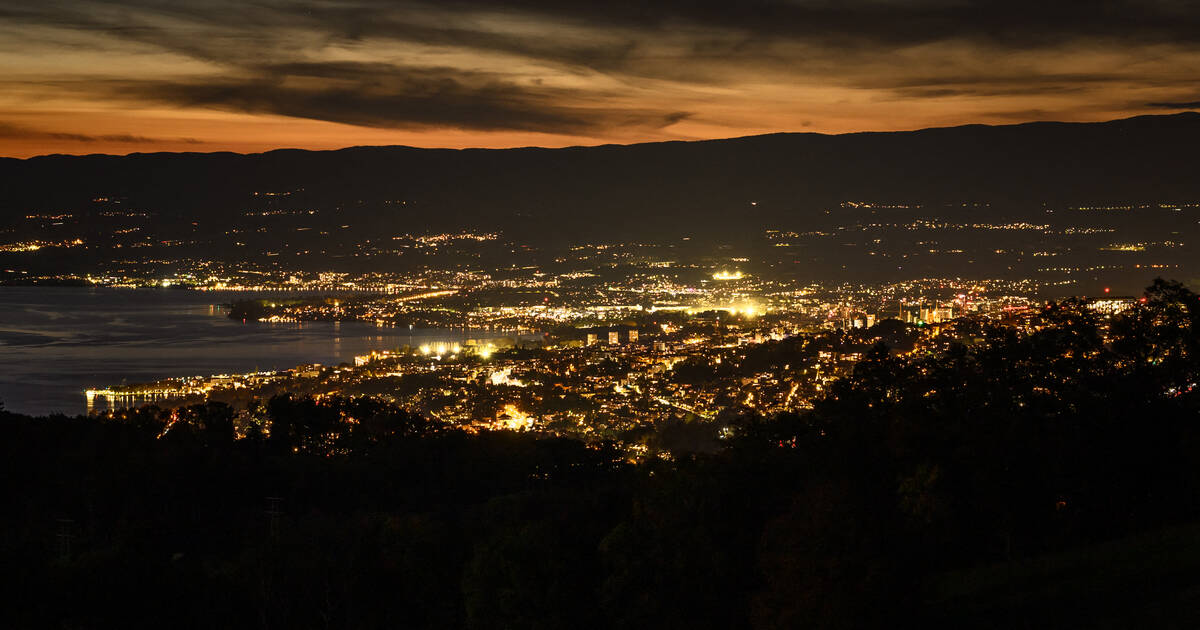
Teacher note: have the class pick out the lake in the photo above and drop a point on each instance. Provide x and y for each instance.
(55, 342)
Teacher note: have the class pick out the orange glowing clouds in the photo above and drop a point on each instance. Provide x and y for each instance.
(208, 75)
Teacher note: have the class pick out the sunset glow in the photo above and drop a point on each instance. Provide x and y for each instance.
(143, 75)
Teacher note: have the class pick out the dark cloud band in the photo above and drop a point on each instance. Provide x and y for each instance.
(21, 132)
(269, 53)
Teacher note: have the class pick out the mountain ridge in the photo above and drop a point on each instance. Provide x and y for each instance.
(774, 180)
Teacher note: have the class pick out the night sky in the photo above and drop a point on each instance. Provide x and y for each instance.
(209, 75)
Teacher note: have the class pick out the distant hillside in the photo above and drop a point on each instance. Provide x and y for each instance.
(636, 189)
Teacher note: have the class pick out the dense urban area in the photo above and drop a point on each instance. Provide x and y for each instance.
(611, 372)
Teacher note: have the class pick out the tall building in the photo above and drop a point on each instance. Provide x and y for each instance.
(633, 335)
(614, 337)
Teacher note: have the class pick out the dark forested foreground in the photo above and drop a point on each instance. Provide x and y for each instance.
(1043, 474)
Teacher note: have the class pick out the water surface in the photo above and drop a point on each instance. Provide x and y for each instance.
(55, 342)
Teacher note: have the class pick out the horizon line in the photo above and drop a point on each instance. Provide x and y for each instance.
(1183, 113)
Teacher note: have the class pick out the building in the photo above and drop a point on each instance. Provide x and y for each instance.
(1113, 305)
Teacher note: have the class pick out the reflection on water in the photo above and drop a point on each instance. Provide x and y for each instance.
(56, 342)
(115, 400)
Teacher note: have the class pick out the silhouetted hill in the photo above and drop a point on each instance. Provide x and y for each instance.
(637, 189)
